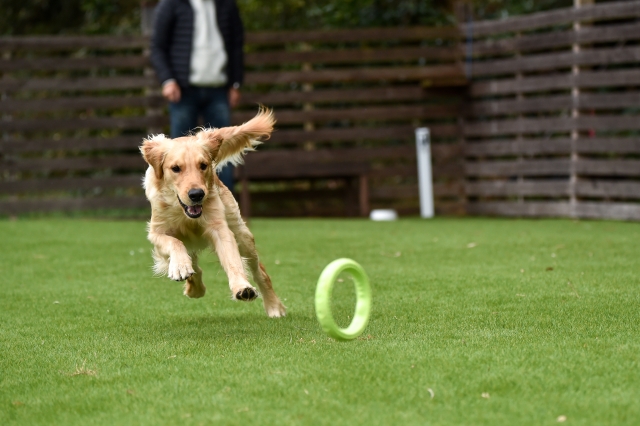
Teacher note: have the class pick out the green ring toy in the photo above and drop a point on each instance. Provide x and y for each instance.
(323, 299)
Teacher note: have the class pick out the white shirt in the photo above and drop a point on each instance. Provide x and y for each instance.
(208, 56)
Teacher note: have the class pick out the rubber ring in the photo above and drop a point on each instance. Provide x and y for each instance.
(323, 299)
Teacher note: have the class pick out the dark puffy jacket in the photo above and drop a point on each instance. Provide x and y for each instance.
(172, 39)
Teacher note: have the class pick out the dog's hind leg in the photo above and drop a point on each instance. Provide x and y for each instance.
(246, 244)
(194, 287)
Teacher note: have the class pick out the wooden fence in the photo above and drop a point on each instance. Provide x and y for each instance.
(357, 95)
(553, 125)
(75, 109)
(550, 124)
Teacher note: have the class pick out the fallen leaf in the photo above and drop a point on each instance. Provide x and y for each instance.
(549, 268)
(431, 392)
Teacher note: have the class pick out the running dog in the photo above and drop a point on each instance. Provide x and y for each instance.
(191, 209)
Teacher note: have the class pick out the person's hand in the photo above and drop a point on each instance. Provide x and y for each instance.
(171, 91)
(234, 97)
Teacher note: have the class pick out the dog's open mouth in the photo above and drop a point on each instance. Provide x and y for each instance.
(193, 212)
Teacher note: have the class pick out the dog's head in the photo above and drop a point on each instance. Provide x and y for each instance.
(186, 166)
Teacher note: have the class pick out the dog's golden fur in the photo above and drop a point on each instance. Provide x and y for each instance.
(192, 210)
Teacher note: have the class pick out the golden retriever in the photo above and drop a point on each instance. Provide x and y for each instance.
(192, 210)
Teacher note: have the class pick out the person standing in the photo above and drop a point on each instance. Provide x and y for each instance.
(197, 53)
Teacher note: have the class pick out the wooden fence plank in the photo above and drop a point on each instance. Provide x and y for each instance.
(440, 189)
(552, 103)
(622, 168)
(552, 146)
(551, 167)
(352, 35)
(556, 39)
(440, 153)
(358, 133)
(22, 146)
(528, 208)
(354, 55)
(89, 84)
(105, 42)
(34, 186)
(586, 79)
(518, 147)
(608, 189)
(334, 154)
(621, 211)
(608, 146)
(346, 95)
(432, 72)
(53, 104)
(550, 61)
(341, 134)
(16, 207)
(498, 188)
(42, 125)
(364, 112)
(609, 10)
(73, 64)
(545, 125)
(36, 165)
(440, 171)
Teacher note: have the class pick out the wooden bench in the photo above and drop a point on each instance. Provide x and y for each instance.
(287, 165)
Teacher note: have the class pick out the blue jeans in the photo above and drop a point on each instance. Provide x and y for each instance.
(210, 103)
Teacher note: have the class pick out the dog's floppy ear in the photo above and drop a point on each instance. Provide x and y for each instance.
(228, 144)
(153, 152)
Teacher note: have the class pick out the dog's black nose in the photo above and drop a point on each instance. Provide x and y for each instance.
(196, 195)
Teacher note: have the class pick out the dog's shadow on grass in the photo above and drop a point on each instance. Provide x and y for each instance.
(246, 326)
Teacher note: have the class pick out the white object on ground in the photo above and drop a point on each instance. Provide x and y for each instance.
(383, 214)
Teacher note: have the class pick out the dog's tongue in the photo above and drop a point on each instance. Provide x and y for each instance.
(194, 210)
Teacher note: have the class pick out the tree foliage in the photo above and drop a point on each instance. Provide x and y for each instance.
(123, 16)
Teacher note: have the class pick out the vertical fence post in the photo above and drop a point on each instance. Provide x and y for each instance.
(147, 13)
(423, 153)
(575, 113)
(464, 14)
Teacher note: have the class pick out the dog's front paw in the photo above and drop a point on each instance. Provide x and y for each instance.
(180, 268)
(246, 294)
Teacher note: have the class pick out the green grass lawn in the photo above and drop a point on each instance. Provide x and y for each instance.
(474, 321)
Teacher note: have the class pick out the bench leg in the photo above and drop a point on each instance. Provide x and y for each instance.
(363, 195)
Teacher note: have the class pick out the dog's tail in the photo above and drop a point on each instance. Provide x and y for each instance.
(233, 142)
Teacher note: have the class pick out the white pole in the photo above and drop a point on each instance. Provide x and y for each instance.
(423, 151)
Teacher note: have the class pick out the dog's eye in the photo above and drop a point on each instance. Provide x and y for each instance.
(175, 169)
(203, 166)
